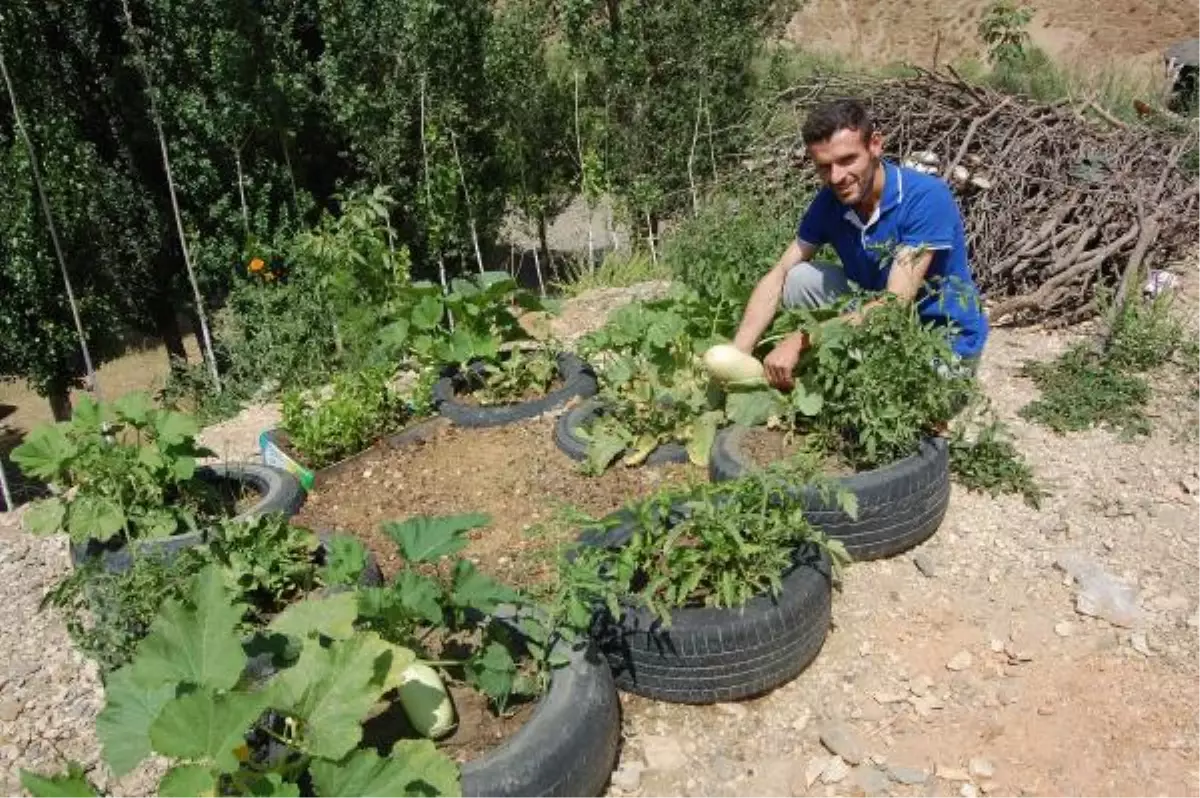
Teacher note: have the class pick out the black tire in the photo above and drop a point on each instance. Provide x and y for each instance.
(278, 491)
(572, 445)
(710, 655)
(567, 747)
(578, 380)
(899, 505)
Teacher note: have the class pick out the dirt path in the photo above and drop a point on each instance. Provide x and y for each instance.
(972, 674)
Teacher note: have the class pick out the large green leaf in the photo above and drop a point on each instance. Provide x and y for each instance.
(271, 785)
(752, 408)
(332, 616)
(44, 452)
(345, 559)
(123, 726)
(135, 408)
(87, 415)
(45, 517)
(206, 726)
(172, 428)
(425, 538)
(493, 671)
(331, 689)
(415, 767)
(604, 447)
(195, 644)
(94, 517)
(471, 589)
(704, 431)
(419, 595)
(427, 313)
(71, 783)
(182, 781)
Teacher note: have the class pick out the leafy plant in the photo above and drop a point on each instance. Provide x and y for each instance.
(468, 323)
(123, 469)
(653, 387)
(989, 461)
(1003, 29)
(433, 599)
(716, 545)
(190, 695)
(352, 413)
(266, 561)
(517, 376)
(1081, 390)
(872, 389)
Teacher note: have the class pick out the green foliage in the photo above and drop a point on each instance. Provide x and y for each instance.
(516, 377)
(1145, 335)
(989, 461)
(448, 602)
(72, 783)
(754, 228)
(1081, 390)
(124, 468)
(652, 386)
(481, 307)
(356, 410)
(345, 561)
(1003, 30)
(266, 561)
(871, 390)
(617, 270)
(201, 710)
(715, 546)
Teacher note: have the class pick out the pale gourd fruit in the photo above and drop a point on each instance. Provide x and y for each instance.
(425, 701)
(728, 364)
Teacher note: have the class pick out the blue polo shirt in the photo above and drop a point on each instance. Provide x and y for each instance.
(916, 210)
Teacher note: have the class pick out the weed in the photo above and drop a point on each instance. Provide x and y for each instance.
(517, 377)
(1081, 390)
(990, 462)
(618, 270)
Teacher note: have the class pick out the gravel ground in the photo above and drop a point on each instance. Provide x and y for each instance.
(962, 668)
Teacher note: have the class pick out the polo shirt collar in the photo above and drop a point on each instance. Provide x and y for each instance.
(893, 195)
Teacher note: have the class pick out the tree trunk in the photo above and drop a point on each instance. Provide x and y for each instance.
(60, 400)
(544, 242)
(167, 324)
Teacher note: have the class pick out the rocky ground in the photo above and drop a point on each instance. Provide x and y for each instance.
(972, 665)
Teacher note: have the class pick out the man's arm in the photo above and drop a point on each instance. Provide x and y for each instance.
(909, 268)
(764, 301)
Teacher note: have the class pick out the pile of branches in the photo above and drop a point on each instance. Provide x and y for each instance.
(1059, 200)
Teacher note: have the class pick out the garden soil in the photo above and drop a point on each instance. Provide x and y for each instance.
(513, 473)
(965, 667)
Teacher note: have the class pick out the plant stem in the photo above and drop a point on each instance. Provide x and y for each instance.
(93, 385)
(241, 183)
(462, 176)
(187, 258)
(429, 202)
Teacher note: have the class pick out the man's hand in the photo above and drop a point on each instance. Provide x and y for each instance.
(781, 363)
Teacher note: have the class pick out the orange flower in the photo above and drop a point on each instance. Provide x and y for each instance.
(257, 265)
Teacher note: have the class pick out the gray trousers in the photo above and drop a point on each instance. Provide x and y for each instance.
(812, 285)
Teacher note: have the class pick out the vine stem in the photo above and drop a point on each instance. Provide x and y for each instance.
(93, 384)
(210, 355)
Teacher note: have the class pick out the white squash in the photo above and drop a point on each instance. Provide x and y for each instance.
(425, 701)
(728, 364)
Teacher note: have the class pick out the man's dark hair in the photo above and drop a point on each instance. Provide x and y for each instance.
(830, 117)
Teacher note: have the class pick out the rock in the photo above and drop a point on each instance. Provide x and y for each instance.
(921, 685)
(1064, 628)
(1170, 603)
(925, 704)
(813, 771)
(1138, 642)
(801, 721)
(835, 770)
(952, 773)
(9, 710)
(960, 661)
(906, 775)
(870, 779)
(663, 752)
(925, 565)
(733, 710)
(842, 740)
(628, 777)
(968, 791)
(981, 768)
(724, 768)
(997, 645)
(989, 787)
(886, 697)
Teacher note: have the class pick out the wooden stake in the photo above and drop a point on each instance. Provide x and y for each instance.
(691, 159)
(93, 385)
(462, 176)
(583, 179)
(429, 199)
(210, 356)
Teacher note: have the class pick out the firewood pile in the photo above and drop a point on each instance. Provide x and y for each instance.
(1059, 200)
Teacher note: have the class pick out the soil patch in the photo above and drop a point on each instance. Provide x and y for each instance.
(515, 473)
(468, 395)
(762, 447)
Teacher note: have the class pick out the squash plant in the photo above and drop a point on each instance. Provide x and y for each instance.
(122, 469)
(653, 386)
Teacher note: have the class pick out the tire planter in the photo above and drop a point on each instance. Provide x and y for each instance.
(569, 744)
(899, 505)
(277, 451)
(279, 492)
(567, 437)
(578, 380)
(711, 655)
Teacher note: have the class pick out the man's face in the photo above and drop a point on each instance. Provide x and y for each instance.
(847, 164)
